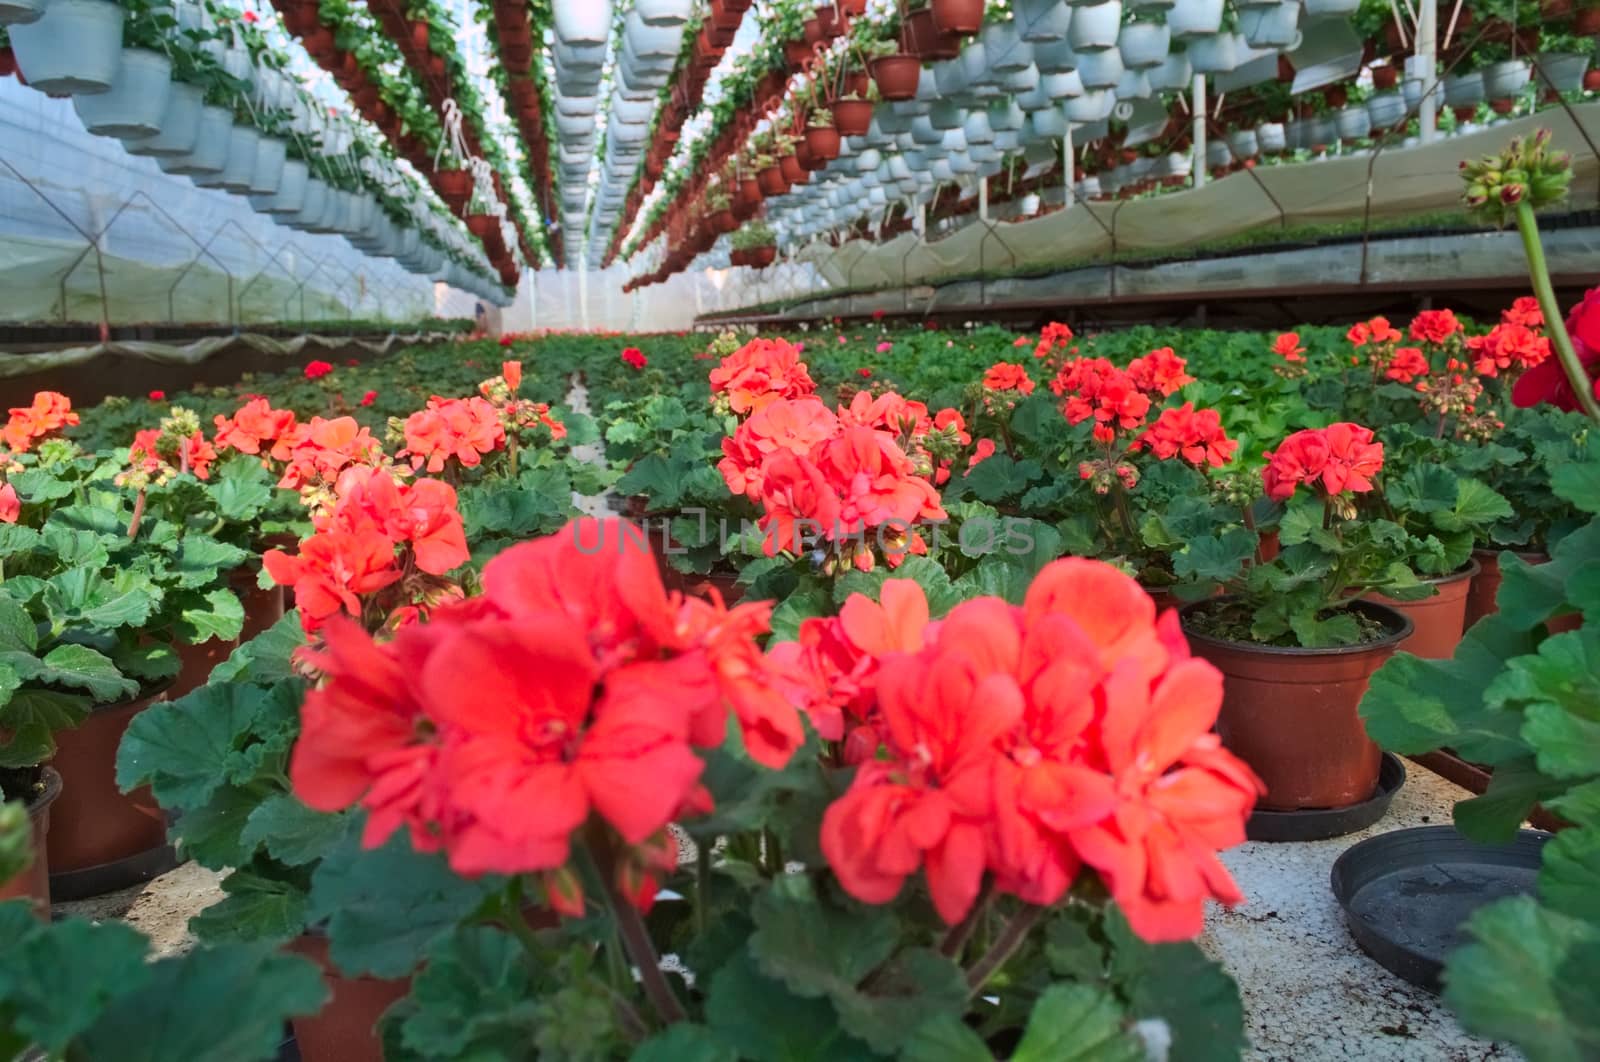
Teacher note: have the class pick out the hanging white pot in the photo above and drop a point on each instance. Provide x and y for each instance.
(1177, 164)
(1095, 28)
(643, 41)
(1354, 122)
(1271, 138)
(974, 62)
(1035, 99)
(1003, 50)
(1564, 71)
(1275, 25)
(1144, 45)
(1019, 81)
(1506, 79)
(1090, 107)
(1062, 86)
(977, 129)
(1242, 143)
(923, 131)
(1041, 21)
(210, 153)
(180, 125)
(1411, 92)
(585, 23)
(21, 12)
(1386, 109)
(664, 12)
(1324, 131)
(1089, 187)
(1320, 8)
(1056, 57)
(1173, 75)
(271, 154)
(891, 123)
(1152, 6)
(1189, 19)
(1218, 154)
(1100, 69)
(1463, 90)
(73, 49)
(136, 100)
(1046, 125)
(290, 197)
(1213, 55)
(243, 144)
(1133, 85)
(944, 114)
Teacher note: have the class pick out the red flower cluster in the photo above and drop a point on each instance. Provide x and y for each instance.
(1160, 372)
(155, 451)
(1287, 346)
(786, 426)
(1407, 364)
(257, 423)
(1524, 311)
(1196, 436)
(1507, 347)
(1547, 381)
(10, 504)
(1378, 330)
(635, 357)
(1096, 388)
(460, 428)
(367, 399)
(157, 396)
(1334, 459)
(378, 533)
(318, 369)
(318, 453)
(761, 371)
(574, 690)
(49, 412)
(1053, 339)
(1434, 326)
(1028, 742)
(1004, 376)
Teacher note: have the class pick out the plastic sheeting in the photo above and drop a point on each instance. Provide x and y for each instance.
(1393, 183)
(13, 365)
(571, 300)
(168, 251)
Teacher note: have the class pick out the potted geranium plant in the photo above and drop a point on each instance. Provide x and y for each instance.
(1295, 636)
(756, 244)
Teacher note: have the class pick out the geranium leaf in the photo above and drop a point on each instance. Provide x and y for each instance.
(1495, 816)
(240, 488)
(268, 658)
(1578, 484)
(1215, 558)
(80, 667)
(813, 948)
(187, 748)
(1569, 879)
(763, 1022)
(84, 596)
(915, 987)
(292, 833)
(683, 1043)
(255, 908)
(945, 1039)
(200, 558)
(218, 615)
(1554, 963)
(1177, 984)
(1076, 1023)
(385, 906)
(225, 1004)
(55, 979)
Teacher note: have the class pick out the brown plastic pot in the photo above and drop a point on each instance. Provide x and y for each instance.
(346, 1028)
(896, 76)
(1440, 620)
(1486, 584)
(852, 117)
(772, 181)
(823, 140)
(94, 823)
(34, 881)
(958, 16)
(1291, 713)
(262, 608)
(195, 663)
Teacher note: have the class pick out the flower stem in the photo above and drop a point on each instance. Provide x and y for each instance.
(961, 932)
(1006, 945)
(636, 940)
(1528, 227)
(138, 515)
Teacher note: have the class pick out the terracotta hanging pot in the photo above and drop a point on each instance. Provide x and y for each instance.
(896, 76)
(793, 172)
(1586, 23)
(852, 117)
(1437, 621)
(797, 53)
(823, 142)
(811, 30)
(419, 34)
(1291, 713)
(772, 181)
(761, 257)
(346, 1028)
(102, 839)
(853, 8)
(34, 881)
(923, 38)
(454, 186)
(958, 16)
(1385, 77)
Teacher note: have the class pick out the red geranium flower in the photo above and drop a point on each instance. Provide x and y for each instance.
(635, 357)
(255, 423)
(10, 504)
(1408, 364)
(1547, 381)
(369, 398)
(1196, 436)
(761, 371)
(49, 413)
(158, 396)
(864, 372)
(1159, 372)
(1526, 312)
(461, 428)
(1378, 330)
(1287, 346)
(1334, 459)
(1434, 326)
(317, 369)
(1004, 376)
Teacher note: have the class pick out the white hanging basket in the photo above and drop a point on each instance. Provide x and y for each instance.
(1189, 19)
(73, 49)
(1354, 122)
(1271, 138)
(1057, 57)
(1320, 8)
(1386, 109)
(1464, 90)
(588, 22)
(291, 194)
(1173, 75)
(271, 154)
(1213, 55)
(1003, 50)
(664, 12)
(1274, 25)
(1095, 28)
(180, 125)
(1243, 144)
(1042, 21)
(21, 12)
(1506, 79)
(210, 153)
(135, 102)
(1100, 69)
(1565, 72)
(244, 145)
(1144, 45)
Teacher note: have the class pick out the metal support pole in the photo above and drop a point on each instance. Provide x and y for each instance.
(1069, 174)
(1197, 105)
(1428, 61)
(983, 199)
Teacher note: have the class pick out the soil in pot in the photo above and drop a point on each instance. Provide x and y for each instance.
(34, 881)
(94, 823)
(1291, 713)
(1438, 620)
(346, 1029)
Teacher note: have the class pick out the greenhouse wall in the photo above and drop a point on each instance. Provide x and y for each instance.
(168, 251)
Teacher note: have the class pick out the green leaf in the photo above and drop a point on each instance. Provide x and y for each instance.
(1315, 632)
(82, 668)
(184, 750)
(36, 485)
(221, 617)
(915, 987)
(240, 488)
(292, 833)
(813, 948)
(268, 658)
(683, 1043)
(1179, 985)
(56, 979)
(17, 630)
(16, 838)
(1527, 975)
(1578, 484)
(1569, 879)
(210, 832)
(386, 906)
(201, 558)
(1477, 505)
(1215, 558)
(225, 1004)
(763, 1022)
(1001, 479)
(1566, 746)
(1076, 1023)
(83, 596)
(803, 604)
(945, 1039)
(1515, 788)
(85, 549)
(254, 908)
